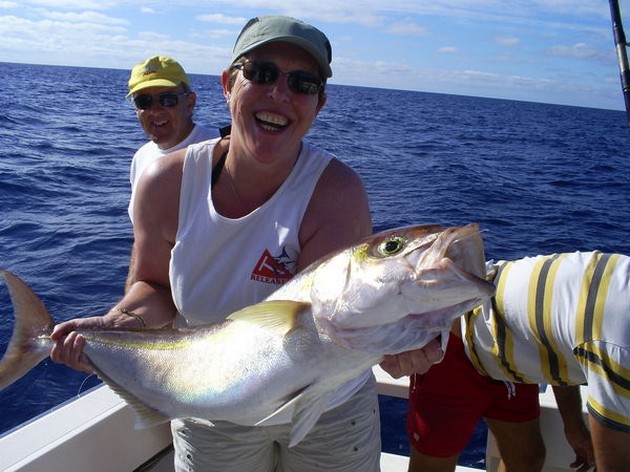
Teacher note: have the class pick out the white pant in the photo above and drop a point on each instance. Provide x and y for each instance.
(345, 439)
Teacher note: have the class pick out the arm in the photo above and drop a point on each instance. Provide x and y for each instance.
(132, 263)
(569, 401)
(156, 210)
(149, 296)
(338, 214)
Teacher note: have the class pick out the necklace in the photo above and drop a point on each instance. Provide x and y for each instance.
(234, 191)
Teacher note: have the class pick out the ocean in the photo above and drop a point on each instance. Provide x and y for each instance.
(538, 178)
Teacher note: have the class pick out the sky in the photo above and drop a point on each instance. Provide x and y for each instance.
(549, 51)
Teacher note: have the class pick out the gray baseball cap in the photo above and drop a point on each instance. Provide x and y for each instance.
(268, 29)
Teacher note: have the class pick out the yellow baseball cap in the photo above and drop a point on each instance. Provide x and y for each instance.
(157, 71)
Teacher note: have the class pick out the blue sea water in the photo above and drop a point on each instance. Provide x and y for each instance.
(538, 178)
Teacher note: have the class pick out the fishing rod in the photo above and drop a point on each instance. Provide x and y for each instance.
(622, 55)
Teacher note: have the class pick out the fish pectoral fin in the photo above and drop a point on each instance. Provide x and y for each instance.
(145, 416)
(276, 314)
(309, 407)
(280, 416)
(304, 409)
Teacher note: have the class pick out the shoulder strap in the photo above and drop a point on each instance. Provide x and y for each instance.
(225, 131)
(218, 167)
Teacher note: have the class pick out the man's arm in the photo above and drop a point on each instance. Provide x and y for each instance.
(569, 401)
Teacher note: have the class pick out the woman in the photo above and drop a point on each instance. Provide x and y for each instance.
(218, 226)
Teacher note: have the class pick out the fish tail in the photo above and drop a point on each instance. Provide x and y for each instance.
(32, 322)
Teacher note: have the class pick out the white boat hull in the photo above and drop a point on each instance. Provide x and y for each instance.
(95, 432)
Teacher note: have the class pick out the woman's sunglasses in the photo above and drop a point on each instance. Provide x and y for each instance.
(265, 73)
(166, 100)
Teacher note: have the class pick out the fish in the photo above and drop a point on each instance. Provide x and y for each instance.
(280, 360)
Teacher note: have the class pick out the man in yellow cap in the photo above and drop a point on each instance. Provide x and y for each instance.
(159, 89)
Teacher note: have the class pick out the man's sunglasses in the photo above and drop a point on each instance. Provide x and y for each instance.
(265, 73)
(166, 100)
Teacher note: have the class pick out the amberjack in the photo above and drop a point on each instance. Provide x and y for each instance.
(278, 361)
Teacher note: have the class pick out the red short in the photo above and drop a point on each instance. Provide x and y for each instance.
(446, 403)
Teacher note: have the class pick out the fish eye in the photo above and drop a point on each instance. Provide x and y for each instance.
(392, 246)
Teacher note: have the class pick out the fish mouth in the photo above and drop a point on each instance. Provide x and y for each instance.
(465, 249)
(461, 246)
(452, 265)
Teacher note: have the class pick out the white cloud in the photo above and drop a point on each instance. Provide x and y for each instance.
(222, 19)
(68, 4)
(407, 29)
(580, 51)
(507, 40)
(84, 17)
(530, 82)
(479, 75)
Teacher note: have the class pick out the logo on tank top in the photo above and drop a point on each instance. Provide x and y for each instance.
(272, 269)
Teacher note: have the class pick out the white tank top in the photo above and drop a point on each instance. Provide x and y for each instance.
(218, 264)
(150, 152)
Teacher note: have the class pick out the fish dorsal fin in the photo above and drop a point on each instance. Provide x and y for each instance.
(145, 415)
(277, 314)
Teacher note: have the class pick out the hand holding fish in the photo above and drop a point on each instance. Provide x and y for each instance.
(68, 342)
(416, 361)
